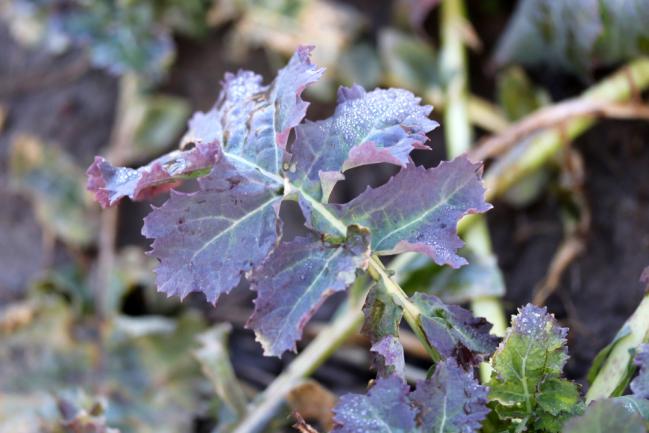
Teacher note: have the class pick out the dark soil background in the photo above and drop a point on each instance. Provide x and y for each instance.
(63, 102)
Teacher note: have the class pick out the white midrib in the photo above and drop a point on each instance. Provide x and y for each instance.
(426, 213)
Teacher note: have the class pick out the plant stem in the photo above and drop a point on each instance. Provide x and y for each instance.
(458, 136)
(271, 400)
(614, 376)
(520, 162)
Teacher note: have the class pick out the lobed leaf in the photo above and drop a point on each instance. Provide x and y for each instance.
(451, 401)
(526, 383)
(384, 125)
(110, 184)
(296, 279)
(207, 240)
(640, 385)
(386, 408)
(252, 121)
(390, 357)
(418, 210)
(453, 331)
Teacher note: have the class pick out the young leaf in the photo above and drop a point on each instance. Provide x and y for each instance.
(606, 416)
(526, 383)
(390, 357)
(640, 385)
(252, 121)
(425, 219)
(451, 401)
(206, 240)
(110, 184)
(453, 331)
(366, 128)
(296, 279)
(381, 325)
(386, 408)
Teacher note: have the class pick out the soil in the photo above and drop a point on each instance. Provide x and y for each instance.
(597, 293)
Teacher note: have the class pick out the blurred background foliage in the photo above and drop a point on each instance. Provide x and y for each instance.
(87, 348)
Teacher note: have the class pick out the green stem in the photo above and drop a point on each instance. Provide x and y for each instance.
(614, 375)
(519, 163)
(458, 136)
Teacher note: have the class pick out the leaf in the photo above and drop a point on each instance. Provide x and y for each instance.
(575, 35)
(425, 221)
(640, 385)
(526, 383)
(517, 95)
(206, 240)
(386, 408)
(480, 277)
(282, 307)
(252, 121)
(54, 184)
(366, 128)
(453, 331)
(606, 416)
(391, 357)
(110, 184)
(451, 400)
(215, 362)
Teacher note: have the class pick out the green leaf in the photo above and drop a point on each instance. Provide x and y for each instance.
(526, 385)
(55, 185)
(606, 416)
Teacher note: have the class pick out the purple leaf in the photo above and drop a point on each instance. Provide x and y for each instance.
(453, 331)
(366, 128)
(640, 385)
(418, 210)
(296, 279)
(451, 401)
(110, 184)
(391, 357)
(207, 240)
(252, 121)
(385, 408)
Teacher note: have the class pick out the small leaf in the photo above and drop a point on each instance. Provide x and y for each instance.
(453, 331)
(526, 383)
(640, 385)
(296, 279)
(206, 240)
(606, 416)
(252, 121)
(385, 408)
(366, 128)
(391, 357)
(418, 210)
(110, 184)
(451, 401)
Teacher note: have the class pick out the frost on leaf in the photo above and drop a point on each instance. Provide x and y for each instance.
(418, 210)
(296, 279)
(386, 408)
(526, 384)
(206, 240)
(384, 125)
(453, 331)
(110, 184)
(253, 121)
(640, 385)
(451, 401)
(606, 416)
